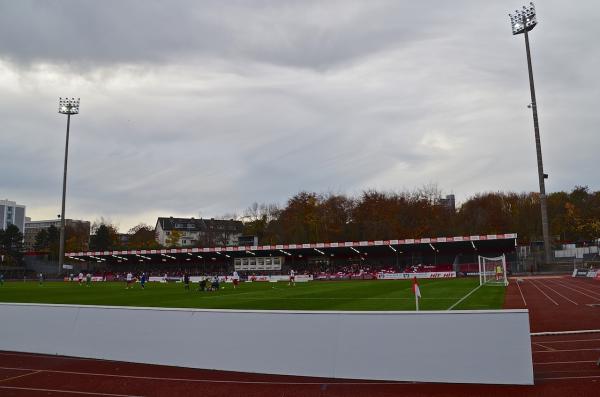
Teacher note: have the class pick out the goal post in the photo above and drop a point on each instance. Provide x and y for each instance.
(492, 271)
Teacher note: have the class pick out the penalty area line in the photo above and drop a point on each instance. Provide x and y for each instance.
(465, 297)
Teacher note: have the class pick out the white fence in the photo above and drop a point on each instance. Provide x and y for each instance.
(461, 346)
(575, 252)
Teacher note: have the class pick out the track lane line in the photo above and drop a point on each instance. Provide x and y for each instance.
(545, 347)
(596, 298)
(19, 376)
(565, 362)
(579, 281)
(571, 341)
(568, 377)
(546, 295)
(196, 380)
(581, 286)
(521, 292)
(558, 293)
(567, 350)
(88, 393)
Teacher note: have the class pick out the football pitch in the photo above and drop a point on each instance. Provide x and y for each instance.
(437, 294)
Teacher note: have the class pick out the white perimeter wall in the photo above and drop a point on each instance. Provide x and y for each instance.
(457, 346)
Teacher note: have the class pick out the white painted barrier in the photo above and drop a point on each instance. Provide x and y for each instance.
(410, 276)
(461, 346)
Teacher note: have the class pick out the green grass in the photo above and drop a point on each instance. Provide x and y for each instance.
(437, 294)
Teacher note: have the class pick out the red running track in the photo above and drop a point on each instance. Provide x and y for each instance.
(564, 365)
(559, 304)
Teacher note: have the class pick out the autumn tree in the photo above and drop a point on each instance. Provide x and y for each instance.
(142, 236)
(311, 217)
(173, 239)
(11, 244)
(104, 237)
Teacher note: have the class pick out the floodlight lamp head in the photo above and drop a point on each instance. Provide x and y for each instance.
(523, 20)
(68, 105)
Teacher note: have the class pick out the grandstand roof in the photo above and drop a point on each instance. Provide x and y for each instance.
(507, 240)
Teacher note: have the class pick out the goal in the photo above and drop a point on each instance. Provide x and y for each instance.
(492, 271)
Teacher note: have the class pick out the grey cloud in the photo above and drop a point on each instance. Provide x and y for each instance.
(205, 107)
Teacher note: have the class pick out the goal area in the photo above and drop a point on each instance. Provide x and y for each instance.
(492, 271)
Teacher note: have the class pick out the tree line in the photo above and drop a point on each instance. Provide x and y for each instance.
(104, 236)
(310, 217)
(373, 215)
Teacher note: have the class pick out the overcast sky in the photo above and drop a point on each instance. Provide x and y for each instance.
(200, 108)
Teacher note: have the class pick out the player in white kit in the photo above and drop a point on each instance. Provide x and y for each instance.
(129, 280)
(235, 279)
(292, 278)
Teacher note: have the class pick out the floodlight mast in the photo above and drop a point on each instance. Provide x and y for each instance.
(68, 106)
(523, 21)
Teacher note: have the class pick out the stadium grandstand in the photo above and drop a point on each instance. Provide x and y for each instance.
(323, 260)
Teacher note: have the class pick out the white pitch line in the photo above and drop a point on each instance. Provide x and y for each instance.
(465, 297)
(546, 295)
(521, 292)
(596, 298)
(559, 294)
(88, 393)
(344, 298)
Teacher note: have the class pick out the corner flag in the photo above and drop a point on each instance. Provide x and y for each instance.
(417, 292)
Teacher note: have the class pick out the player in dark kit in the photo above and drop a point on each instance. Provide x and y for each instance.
(186, 281)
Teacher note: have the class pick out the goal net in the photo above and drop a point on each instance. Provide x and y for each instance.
(492, 271)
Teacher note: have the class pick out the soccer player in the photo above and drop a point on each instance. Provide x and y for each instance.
(88, 280)
(129, 280)
(186, 281)
(202, 284)
(80, 277)
(292, 278)
(143, 281)
(1, 279)
(236, 279)
(41, 278)
(215, 284)
(498, 272)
